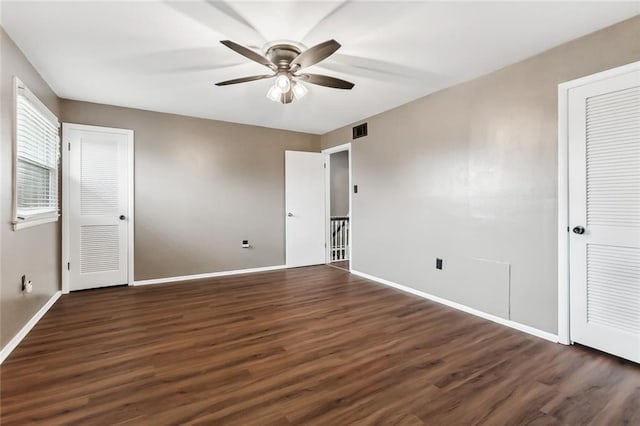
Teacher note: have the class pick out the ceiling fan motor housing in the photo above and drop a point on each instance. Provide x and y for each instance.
(282, 54)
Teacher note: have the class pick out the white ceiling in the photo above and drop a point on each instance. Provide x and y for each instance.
(165, 56)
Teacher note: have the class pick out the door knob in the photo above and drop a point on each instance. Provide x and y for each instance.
(122, 217)
(290, 214)
(578, 230)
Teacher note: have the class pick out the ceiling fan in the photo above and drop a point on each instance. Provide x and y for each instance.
(286, 59)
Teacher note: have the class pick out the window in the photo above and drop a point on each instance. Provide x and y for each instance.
(37, 158)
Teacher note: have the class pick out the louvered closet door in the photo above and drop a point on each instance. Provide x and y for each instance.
(604, 195)
(98, 204)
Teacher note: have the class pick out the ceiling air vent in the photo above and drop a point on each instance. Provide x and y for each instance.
(360, 131)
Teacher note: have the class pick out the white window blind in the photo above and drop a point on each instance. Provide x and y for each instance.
(37, 154)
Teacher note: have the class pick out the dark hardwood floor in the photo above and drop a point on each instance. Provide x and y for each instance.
(302, 346)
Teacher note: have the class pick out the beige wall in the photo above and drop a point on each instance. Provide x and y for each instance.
(33, 251)
(339, 180)
(201, 187)
(469, 174)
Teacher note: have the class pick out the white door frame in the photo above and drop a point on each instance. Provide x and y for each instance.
(66, 127)
(327, 185)
(564, 331)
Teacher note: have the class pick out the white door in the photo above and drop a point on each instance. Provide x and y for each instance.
(604, 214)
(99, 222)
(304, 198)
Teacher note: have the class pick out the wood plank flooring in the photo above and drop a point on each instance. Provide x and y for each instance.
(301, 346)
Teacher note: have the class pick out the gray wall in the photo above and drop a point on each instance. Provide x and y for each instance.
(33, 251)
(339, 179)
(469, 174)
(201, 187)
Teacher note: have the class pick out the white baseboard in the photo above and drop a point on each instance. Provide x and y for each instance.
(13, 343)
(521, 327)
(207, 275)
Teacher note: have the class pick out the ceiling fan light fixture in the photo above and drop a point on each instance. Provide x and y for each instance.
(283, 82)
(299, 90)
(274, 93)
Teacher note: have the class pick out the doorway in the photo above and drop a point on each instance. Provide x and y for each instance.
(97, 207)
(338, 209)
(599, 248)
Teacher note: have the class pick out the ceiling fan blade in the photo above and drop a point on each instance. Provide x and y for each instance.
(244, 79)
(325, 80)
(315, 54)
(248, 53)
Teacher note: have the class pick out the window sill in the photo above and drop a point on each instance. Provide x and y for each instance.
(35, 221)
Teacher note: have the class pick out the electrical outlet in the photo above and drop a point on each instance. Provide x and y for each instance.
(438, 263)
(245, 244)
(27, 285)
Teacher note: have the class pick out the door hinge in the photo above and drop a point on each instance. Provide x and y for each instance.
(69, 146)
(325, 165)
(68, 266)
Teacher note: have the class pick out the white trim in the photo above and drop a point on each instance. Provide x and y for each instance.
(50, 215)
(37, 220)
(563, 219)
(64, 188)
(65, 199)
(15, 341)
(327, 208)
(208, 275)
(131, 203)
(338, 148)
(14, 152)
(512, 324)
(603, 75)
(350, 208)
(327, 153)
(564, 327)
